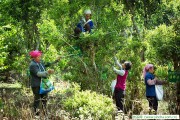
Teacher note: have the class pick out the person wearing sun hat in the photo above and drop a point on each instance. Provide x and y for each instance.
(85, 25)
(37, 71)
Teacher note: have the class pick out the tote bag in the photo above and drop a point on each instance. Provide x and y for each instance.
(113, 84)
(45, 86)
(159, 92)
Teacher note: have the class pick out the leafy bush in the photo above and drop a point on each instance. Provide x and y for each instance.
(89, 105)
(162, 72)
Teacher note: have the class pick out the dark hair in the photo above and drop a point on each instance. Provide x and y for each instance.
(128, 65)
(87, 28)
(122, 61)
(77, 32)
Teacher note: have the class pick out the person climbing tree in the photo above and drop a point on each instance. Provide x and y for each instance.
(37, 72)
(120, 86)
(85, 24)
(150, 82)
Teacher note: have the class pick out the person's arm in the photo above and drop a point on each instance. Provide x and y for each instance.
(80, 26)
(151, 82)
(117, 63)
(161, 82)
(91, 24)
(34, 69)
(42, 74)
(119, 72)
(51, 63)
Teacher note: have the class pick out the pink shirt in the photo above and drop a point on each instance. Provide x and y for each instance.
(121, 81)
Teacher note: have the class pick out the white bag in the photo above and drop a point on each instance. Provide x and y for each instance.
(113, 84)
(159, 92)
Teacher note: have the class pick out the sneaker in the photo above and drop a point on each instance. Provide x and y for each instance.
(154, 112)
(120, 111)
(37, 113)
(150, 111)
(36, 116)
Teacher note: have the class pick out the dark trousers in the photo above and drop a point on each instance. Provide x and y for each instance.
(119, 98)
(39, 97)
(153, 103)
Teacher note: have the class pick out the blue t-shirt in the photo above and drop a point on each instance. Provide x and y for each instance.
(150, 89)
(81, 26)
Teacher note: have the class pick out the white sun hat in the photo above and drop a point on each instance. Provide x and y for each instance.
(87, 11)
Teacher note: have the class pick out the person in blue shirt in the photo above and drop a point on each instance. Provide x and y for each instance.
(150, 82)
(85, 25)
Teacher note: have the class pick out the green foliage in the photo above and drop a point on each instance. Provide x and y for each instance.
(164, 43)
(161, 72)
(50, 34)
(130, 30)
(3, 54)
(87, 104)
(11, 45)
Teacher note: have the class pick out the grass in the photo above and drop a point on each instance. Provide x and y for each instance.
(162, 107)
(19, 104)
(162, 110)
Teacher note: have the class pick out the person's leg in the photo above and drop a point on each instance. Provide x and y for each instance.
(119, 97)
(44, 102)
(153, 103)
(87, 28)
(36, 99)
(150, 104)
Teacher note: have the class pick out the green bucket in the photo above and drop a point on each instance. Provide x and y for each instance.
(174, 76)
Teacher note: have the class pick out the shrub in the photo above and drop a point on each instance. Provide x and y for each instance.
(89, 105)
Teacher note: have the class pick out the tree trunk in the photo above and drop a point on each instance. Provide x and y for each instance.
(92, 54)
(177, 68)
